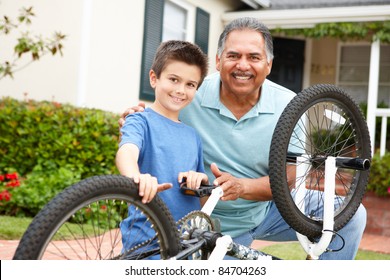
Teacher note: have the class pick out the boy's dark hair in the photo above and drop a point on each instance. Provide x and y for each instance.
(180, 51)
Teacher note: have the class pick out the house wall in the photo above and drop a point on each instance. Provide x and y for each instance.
(323, 61)
(102, 52)
(103, 49)
(48, 78)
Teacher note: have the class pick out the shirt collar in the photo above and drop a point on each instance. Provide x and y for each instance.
(210, 99)
(211, 91)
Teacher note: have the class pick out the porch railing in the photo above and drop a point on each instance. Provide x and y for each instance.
(384, 114)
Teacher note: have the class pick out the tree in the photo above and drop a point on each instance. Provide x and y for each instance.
(35, 46)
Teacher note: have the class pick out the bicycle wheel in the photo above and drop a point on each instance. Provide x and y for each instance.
(83, 221)
(320, 122)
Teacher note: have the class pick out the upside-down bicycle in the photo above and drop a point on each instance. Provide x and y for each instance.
(320, 147)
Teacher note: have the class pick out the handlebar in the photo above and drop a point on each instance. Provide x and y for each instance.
(342, 162)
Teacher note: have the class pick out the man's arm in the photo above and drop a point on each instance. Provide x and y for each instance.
(252, 189)
(233, 188)
(256, 189)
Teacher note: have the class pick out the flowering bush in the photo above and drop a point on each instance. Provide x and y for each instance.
(52, 145)
(37, 188)
(52, 135)
(8, 181)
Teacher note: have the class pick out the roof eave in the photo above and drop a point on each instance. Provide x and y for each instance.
(306, 18)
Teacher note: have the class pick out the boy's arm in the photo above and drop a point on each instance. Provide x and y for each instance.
(127, 164)
(127, 160)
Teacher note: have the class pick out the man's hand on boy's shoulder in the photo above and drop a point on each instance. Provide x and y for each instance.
(139, 108)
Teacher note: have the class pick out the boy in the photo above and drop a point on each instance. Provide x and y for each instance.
(156, 149)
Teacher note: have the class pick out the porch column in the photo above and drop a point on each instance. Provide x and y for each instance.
(86, 26)
(373, 86)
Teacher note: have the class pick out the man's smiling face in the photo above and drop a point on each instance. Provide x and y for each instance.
(243, 63)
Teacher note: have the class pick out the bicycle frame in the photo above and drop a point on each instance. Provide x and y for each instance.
(224, 244)
(219, 245)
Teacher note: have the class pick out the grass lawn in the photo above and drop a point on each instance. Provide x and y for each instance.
(294, 251)
(13, 228)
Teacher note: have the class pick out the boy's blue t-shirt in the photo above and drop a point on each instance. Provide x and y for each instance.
(166, 148)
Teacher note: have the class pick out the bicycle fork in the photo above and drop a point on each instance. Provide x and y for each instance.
(314, 250)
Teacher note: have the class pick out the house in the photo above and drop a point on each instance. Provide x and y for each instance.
(110, 46)
(359, 65)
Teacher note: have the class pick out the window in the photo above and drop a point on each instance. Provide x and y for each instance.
(178, 22)
(354, 70)
(166, 20)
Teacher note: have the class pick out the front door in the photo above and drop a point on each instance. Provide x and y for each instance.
(287, 67)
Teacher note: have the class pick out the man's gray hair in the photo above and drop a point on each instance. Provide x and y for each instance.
(250, 24)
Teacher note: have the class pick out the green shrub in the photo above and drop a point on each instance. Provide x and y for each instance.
(51, 146)
(379, 181)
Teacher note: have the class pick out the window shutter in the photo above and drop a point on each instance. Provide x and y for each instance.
(153, 22)
(202, 29)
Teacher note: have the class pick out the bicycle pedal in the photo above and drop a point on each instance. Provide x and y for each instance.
(200, 192)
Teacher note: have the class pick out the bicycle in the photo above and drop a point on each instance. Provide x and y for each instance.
(321, 129)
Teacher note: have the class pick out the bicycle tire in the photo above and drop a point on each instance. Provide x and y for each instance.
(82, 222)
(333, 125)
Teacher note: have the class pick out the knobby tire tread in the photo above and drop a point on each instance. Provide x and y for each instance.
(278, 152)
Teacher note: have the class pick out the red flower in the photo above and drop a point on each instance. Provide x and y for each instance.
(9, 180)
(5, 195)
(11, 176)
(13, 184)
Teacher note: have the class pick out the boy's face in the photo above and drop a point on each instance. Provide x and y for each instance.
(175, 88)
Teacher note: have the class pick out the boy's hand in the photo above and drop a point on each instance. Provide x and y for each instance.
(193, 179)
(149, 187)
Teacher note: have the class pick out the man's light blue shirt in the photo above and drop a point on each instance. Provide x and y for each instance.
(239, 147)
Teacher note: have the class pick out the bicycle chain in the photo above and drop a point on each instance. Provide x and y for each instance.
(194, 220)
(204, 223)
(132, 249)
